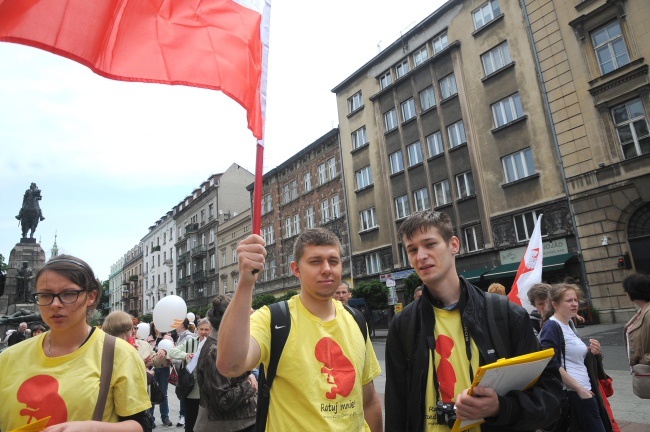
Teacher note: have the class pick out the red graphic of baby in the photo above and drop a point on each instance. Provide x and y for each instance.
(41, 395)
(445, 370)
(338, 368)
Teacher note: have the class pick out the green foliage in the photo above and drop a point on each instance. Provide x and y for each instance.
(375, 293)
(3, 264)
(263, 300)
(410, 284)
(287, 296)
(103, 306)
(146, 318)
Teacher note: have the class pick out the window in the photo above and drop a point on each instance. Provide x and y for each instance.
(486, 13)
(309, 217)
(359, 138)
(324, 211)
(234, 254)
(385, 80)
(456, 133)
(427, 98)
(212, 235)
(525, 224)
(442, 192)
(296, 224)
(396, 162)
(268, 235)
(288, 227)
(336, 206)
(331, 168)
(267, 204)
(632, 128)
(496, 58)
(473, 238)
(402, 206)
(235, 282)
(402, 68)
(223, 259)
(355, 102)
(322, 174)
(420, 56)
(306, 182)
(507, 110)
(448, 86)
(434, 144)
(415, 153)
(212, 262)
(440, 43)
(364, 177)
(408, 109)
(610, 47)
(390, 120)
(368, 219)
(518, 165)
(269, 270)
(465, 184)
(286, 195)
(421, 199)
(373, 263)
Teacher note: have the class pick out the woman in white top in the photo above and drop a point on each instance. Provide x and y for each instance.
(572, 357)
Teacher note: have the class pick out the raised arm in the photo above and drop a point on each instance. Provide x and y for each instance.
(233, 356)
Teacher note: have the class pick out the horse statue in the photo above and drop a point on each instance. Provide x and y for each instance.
(30, 213)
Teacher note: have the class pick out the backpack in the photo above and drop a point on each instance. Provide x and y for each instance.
(280, 326)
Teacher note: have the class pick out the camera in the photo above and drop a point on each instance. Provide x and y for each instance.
(446, 414)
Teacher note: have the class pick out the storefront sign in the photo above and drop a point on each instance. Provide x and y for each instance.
(397, 275)
(552, 248)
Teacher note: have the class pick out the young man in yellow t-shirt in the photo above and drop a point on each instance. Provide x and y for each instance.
(324, 379)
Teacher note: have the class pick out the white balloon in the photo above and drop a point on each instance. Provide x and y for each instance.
(143, 330)
(190, 316)
(166, 345)
(168, 311)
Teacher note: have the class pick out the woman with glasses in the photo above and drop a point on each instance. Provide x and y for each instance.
(55, 377)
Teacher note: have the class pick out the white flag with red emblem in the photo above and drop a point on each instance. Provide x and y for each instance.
(530, 269)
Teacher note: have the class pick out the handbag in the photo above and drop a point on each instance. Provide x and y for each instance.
(563, 422)
(641, 380)
(173, 376)
(605, 381)
(185, 383)
(156, 394)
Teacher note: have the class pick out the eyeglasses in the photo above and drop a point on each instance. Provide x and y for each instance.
(65, 297)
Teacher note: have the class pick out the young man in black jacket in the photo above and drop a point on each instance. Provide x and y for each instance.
(450, 321)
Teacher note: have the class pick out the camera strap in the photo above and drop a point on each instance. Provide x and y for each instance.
(431, 341)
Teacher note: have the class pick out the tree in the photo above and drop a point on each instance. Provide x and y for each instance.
(3, 264)
(410, 284)
(263, 300)
(374, 292)
(103, 305)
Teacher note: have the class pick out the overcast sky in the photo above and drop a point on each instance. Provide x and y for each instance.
(112, 157)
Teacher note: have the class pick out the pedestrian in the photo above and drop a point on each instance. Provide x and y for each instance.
(161, 373)
(637, 332)
(184, 334)
(58, 373)
(497, 288)
(19, 335)
(343, 293)
(436, 344)
(576, 362)
(325, 373)
(37, 330)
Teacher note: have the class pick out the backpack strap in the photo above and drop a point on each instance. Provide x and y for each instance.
(108, 354)
(280, 326)
(359, 318)
(411, 329)
(497, 315)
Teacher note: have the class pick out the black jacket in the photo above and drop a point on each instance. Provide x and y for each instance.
(406, 380)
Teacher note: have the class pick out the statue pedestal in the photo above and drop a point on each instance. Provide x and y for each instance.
(34, 255)
(27, 240)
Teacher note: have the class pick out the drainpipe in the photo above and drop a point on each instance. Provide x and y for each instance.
(547, 106)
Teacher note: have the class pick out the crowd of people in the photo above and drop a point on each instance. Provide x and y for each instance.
(309, 363)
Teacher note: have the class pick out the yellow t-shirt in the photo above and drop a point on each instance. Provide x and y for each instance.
(33, 386)
(318, 384)
(452, 365)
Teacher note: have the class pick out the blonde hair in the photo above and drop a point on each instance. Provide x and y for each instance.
(117, 323)
(497, 288)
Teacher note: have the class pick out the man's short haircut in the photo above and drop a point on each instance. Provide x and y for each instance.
(539, 291)
(497, 288)
(637, 286)
(315, 237)
(417, 290)
(425, 219)
(346, 285)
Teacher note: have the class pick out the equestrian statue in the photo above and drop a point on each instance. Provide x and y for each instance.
(30, 213)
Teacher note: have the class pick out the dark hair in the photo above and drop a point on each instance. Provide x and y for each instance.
(315, 237)
(637, 286)
(539, 291)
(38, 327)
(76, 271)
(424, 219)
(558, 290)
(186, 323)
(219, 306)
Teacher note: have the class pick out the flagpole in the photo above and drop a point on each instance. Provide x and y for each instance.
(257, 189)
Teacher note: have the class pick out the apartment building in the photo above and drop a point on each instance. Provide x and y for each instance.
(451, 117)
(132, 284)
(158, 259)
(593, 63)
(232, 230)
(197, 220)
(305, 191)
(116, 285)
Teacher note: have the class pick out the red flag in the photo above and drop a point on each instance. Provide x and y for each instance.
(215, 44)
(530, 269)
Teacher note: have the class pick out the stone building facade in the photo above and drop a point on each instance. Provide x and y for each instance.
(158, 259)
(232, 230)
(132, 285)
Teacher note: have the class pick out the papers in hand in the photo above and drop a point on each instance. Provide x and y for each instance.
(37, 426)
(516, 373)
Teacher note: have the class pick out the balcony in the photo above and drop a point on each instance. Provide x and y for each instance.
(183, 281)
(133, 278)
(189, 228)
(199, 276)
(182, 258)
(155, 249)
(168, 262)
(199, 251)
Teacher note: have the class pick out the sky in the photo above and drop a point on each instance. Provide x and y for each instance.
(112, 157)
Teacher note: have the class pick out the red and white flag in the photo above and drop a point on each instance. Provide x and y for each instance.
(215, 44)
(530, 269)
